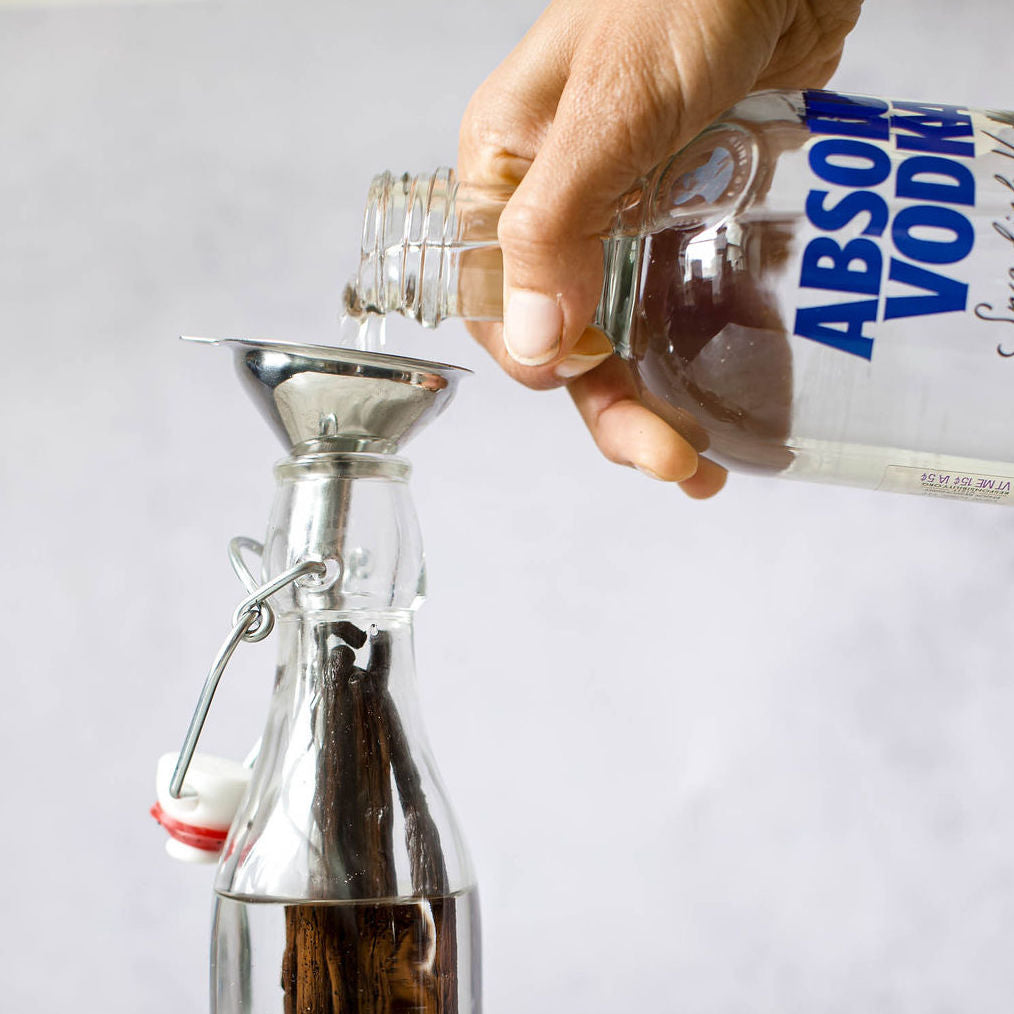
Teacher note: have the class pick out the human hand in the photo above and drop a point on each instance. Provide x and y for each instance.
(595, 95)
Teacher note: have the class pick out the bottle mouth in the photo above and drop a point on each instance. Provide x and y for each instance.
(335, 460)
(406, 226)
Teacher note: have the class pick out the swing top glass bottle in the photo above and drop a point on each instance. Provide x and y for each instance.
(344, 885)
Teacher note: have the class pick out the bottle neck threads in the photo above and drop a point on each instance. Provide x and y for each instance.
(430, 250)
(403, 265)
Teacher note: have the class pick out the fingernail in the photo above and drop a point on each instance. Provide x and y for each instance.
(592, 348)
(644, 470)
(574, 365)
(533, 324)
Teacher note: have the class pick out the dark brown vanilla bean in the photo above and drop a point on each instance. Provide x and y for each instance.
(372, 954)
(429, 874)
(356, 798)
(350, 633)
(422, 839)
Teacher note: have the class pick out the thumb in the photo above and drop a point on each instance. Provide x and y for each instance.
(552, 274)
(552, 260)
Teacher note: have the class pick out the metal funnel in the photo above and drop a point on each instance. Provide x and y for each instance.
(320, 398)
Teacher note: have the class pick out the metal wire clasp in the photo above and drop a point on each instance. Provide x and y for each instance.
(252, 621)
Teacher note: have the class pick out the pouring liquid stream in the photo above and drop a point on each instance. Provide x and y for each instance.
(365, 333)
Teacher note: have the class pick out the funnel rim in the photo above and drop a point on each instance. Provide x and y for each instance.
(335, 354)
(353, 400)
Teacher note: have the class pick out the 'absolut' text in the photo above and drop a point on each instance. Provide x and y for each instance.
(914, 241)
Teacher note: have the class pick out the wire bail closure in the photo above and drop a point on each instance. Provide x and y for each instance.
(252, 621)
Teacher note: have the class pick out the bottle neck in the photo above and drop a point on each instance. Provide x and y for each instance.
(430, 248)
(355, 513)
(430, 251)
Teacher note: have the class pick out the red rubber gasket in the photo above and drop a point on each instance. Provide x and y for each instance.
(207, 839)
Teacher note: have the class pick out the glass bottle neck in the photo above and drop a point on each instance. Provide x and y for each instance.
(430, 247)
(430, 251)
(355, 512)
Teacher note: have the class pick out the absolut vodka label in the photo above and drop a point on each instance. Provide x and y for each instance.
(895, 188)
(899, 296)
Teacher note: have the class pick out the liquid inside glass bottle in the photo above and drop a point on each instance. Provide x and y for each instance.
(818, 287)
(344, 887)
(365, 957)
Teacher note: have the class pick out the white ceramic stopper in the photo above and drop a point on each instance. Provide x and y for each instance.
(198, 822)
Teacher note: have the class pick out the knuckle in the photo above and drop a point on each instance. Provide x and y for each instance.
(521, 222)
(526, 227)
(480, 146)
(477, 128)
(497, 141)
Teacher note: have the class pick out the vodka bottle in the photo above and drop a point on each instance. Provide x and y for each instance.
(820, 286)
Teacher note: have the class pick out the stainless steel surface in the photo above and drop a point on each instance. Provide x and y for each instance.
(239, 567)
(252, 621)
(229, 646)
(259, 599)
(320, 398)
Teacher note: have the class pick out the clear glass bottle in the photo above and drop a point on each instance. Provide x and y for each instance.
(819, 286)
(344, 886)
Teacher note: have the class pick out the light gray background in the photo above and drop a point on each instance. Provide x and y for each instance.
(739, 757)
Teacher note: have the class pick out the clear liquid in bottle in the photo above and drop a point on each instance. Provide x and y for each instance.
(390, 956)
